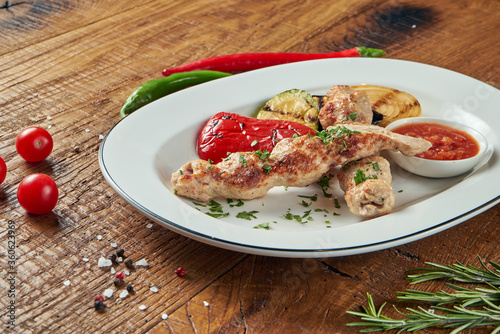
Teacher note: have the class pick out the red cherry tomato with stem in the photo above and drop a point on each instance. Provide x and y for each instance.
(3, 170)
(37, 193)
(34, 144)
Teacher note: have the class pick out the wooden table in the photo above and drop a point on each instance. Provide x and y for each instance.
(68, 66)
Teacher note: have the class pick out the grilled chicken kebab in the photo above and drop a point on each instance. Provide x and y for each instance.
(367, 186)
(294, 162)
(366, 182)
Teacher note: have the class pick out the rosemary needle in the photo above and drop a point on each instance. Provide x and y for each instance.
(460, 315)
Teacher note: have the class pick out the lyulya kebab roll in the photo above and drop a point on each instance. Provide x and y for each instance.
(367, 186)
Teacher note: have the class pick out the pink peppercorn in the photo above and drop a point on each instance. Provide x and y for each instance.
(99, 298)
(120, 275)
(180, 271)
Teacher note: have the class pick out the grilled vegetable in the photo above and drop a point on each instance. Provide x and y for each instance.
(229, 133)
(293, 105)
(393, 104)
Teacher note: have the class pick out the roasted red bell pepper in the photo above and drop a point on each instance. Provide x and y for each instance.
(227, 133)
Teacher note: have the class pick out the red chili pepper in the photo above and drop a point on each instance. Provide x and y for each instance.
(250, 61)
(228, 133)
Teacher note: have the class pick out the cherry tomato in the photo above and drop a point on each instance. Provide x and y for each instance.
(3, 170)
(34, 144)
(37, 193)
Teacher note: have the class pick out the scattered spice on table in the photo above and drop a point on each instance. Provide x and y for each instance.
(98, 305)
(142, 263)
(180, 271)
(129, 263)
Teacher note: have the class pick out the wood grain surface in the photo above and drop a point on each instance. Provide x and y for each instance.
(68, 66)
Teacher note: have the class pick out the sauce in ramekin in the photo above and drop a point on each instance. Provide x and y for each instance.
(447, 143)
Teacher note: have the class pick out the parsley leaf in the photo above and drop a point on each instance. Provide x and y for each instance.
(247, 215)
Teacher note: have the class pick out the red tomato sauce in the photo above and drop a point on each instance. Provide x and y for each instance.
(447, 143)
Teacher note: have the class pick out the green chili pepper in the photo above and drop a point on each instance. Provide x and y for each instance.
(157, 88)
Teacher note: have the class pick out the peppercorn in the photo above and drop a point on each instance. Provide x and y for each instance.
(120, 252)
(112, 257)
(130, 288)
(117, 282)
(99, 298)
(129, 263)
(98, 305)
(180, 271)
(120, 275)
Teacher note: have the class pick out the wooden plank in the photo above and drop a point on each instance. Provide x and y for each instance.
(68, 67)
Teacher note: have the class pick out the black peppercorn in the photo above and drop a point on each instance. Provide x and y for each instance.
(130, 288)
(98, 305)
(129, 263)
(112, 257)
(120, 252)
(117, 282)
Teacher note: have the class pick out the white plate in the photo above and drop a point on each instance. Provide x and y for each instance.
(141, 151)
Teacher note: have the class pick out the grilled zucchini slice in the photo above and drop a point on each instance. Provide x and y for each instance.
(393, 104)
(294, 105)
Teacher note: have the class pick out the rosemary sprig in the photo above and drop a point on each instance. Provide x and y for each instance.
(465, 297)
(459, 272)
(421, 318)
(485, 300)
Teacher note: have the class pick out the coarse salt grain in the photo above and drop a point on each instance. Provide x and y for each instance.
(124, 294)
(103, 262)
(49, 118)
(205, 303)
(142, 262)
(164, 316)
(67, 283)
(99, 237)
(113, 271)
(142, 307)
(87, 130)
(101, 137)
(149, 225)
(120, 259)
(108, 293)
(85, 259)
(126, 272)
(153, 289)
(113, 244)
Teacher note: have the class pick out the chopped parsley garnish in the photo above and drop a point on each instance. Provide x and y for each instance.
(267, 169)
(336, 202)
(265, 226)
(215, 209)
(263, 155)
(376, 167)
(301, 219)
(304, 203)
(313, 198)
(324, 184)
(217, 215)
(231, 203)
(243, 160)
(329, 135)
(360, 177)
(247, 215)
(352, 117)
